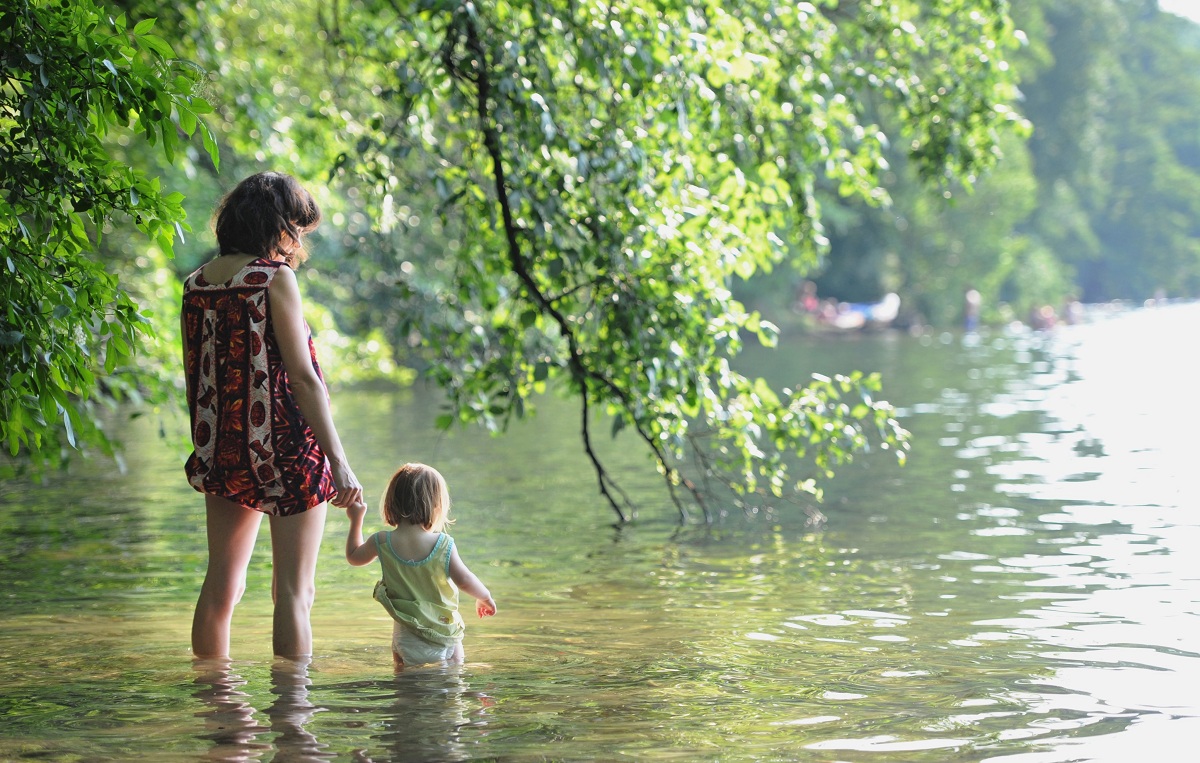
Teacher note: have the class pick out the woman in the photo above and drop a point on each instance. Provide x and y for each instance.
(263, 437)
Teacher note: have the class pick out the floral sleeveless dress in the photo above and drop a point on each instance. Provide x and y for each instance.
(251, 443)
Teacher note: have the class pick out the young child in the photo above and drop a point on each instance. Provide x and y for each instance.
(422, 572)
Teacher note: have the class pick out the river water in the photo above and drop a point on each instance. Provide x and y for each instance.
(1024, 590)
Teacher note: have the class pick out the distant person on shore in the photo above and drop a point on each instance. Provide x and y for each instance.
(1042, 318)
(1073, 311)
(972, 302)
(422, 571)
(806, 301)
(262, 435)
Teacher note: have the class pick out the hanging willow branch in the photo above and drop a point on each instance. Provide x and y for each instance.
(586, 379)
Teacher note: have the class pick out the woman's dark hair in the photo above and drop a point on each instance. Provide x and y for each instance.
(254, 216)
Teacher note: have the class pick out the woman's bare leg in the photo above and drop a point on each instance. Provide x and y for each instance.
(295, 541)
(232, 530)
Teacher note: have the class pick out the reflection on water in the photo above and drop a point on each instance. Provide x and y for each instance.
(291, 711)
(230, 722)
(426, 714)
(1024, 590)
(230, 725)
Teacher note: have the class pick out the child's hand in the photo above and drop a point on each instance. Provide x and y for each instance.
(485, 607)
(356, 511)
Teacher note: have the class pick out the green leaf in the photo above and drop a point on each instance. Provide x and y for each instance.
(158, 45)
(66, 415)
(187, 121)
(210, 146)
(618, 424)
(200, 106)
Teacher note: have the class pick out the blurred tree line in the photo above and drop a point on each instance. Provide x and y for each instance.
(603, 197)
(1099, 201)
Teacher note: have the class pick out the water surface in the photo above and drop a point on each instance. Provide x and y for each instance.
(1025, 590)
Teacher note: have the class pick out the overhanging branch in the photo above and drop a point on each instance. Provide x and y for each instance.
(491, 141)
(584, 377)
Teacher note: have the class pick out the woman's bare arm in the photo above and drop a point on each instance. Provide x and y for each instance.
(287, 319)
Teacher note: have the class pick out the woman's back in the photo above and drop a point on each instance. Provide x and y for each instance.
(251, 443)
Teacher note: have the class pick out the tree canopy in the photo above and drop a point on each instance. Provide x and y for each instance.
(1098, 200)
(551, 195)
(71, 75)
(603, 172)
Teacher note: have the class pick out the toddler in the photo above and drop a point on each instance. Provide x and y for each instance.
(422, 571)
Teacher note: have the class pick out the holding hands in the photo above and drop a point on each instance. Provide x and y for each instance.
(357, 511)
(358, 551)
(349, 491)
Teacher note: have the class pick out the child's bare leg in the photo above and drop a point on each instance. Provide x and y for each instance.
(397, 661)
(458, 657)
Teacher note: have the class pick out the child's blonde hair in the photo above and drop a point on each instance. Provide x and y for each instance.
(417, 494)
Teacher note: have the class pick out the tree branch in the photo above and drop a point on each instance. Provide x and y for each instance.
(491, 140)
(583, 376)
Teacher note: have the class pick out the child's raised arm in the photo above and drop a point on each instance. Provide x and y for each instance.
(358, 552)
(466, 581)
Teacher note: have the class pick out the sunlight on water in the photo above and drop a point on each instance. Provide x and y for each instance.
(1120, 453)
(1024, 591)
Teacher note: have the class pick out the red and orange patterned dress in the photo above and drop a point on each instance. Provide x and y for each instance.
(251, 443)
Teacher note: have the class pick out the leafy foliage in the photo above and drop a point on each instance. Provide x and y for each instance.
(1119, 155)
(1098, 200)
(546, 195)
(71, 76)
(607, 170)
